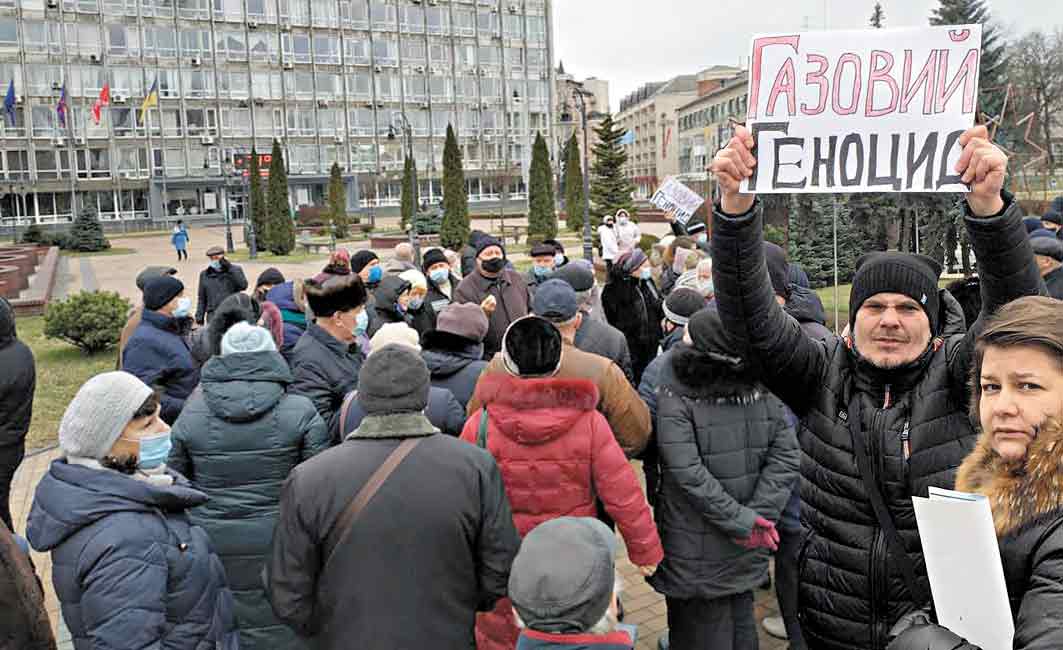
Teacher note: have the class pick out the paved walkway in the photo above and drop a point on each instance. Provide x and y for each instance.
(643, 606)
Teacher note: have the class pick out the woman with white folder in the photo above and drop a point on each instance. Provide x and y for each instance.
(1017, 397)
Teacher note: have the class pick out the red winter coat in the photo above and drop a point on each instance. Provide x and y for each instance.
(556, 453)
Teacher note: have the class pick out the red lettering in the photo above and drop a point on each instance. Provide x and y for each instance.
(784, 84)
(756, 71)
(925, 82)
(836, 104)
(818, 78)
(881, 75)
(968, 73)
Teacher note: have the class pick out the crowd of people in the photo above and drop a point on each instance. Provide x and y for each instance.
(412, 452)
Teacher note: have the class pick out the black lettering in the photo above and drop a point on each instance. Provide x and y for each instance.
(843, 160)
(926, 155)
(820, 161)
(782, 127)
(945, 178)
(893, 180)
(779, 144)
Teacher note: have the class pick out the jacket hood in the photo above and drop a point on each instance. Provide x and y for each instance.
(243, 386)
(448, 354)
(805, 306)
(691, 373)
(283, 295)
(71, 497)
(1019, 492)
(536, 411)
(7, 323)
(387, 294)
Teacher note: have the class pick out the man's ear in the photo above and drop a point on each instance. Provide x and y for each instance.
(579, 319)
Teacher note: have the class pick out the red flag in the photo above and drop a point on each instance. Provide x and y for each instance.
(103, 100)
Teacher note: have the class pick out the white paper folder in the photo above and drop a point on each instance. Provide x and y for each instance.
(963, 564)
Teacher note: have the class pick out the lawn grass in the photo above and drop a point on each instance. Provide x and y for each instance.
(826, 294)
(107, 253)
(61, 370)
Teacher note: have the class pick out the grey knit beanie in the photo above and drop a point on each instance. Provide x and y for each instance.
(245, 337)
(394, 379)
(99, 412)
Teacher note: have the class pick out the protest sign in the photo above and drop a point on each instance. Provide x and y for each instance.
(877, 110)
(678, 198)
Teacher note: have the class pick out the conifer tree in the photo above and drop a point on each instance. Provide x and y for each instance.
(610, 188)
(993, 63)
(574, 198)
(542, 215)
(281, 230)
(258, 209)
(455, 229)
(812, 238)
(878, 16)
(337, 202)
(86, 233)
(409, 205)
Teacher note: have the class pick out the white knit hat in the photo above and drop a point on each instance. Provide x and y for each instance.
(98, 414)
(395, 333)
(245, 337)
(415, 278)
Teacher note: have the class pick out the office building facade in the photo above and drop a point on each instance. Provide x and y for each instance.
(327, 78)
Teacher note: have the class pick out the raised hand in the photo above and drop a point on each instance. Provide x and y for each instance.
(733, 164)
(983, 165)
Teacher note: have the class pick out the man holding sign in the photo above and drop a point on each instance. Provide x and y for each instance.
(884, 412)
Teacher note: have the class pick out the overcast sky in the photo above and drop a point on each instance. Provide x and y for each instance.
(632, 42)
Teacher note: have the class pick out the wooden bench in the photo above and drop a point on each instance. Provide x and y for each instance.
(513, 233)
(315, 246)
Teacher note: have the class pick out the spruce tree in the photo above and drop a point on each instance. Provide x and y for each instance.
(337, 202)
(610, 188)
(409, 193)
(455, 229)
(86, 233)
(574, 198)
(878, 17)
(542, 215)
(812, 238)
(281, 229)
(259, 210)
(993, 64)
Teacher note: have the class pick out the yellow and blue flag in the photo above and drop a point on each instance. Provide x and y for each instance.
(152, 99)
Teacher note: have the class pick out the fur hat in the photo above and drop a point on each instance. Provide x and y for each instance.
(487, 241)
(362, 259)
(531, 347)
(432, 257)
(339, 294)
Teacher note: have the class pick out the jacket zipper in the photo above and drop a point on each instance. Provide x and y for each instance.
(878, 555)
(906, 444)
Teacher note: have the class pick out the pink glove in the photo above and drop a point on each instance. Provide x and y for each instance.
(763, 535)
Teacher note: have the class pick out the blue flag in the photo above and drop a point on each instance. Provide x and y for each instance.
(9, 103)
(627, 138)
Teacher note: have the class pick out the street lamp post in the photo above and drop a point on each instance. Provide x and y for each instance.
(588, 241)
(403, 124)
(249, 219)
(227, 171)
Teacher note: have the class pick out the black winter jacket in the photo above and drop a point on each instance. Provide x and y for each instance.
(727, 455)
(455, 363)
(601, 338)
(215, 286)
(1054, 282)
(18, 380)
(806, 308)
(634, 307)
(325, 370)
(914, 419)
(237, 440)
(410, 581)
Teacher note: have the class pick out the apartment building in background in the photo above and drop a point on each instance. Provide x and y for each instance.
(705, 123)
(650, 114)
(327, 78)
(569, 120)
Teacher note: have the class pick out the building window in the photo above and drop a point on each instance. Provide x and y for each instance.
(325, 13)
(416, 90)
(413, 51)
(326, 50)
(387, 87)
(193, 9)
(441, 88)
(513, 26)
(361, 121)
(355, 14)
(263, 47)
(359, 86)
(464, 22)
(438, 53)
(195, 42)
(438, 20)
(385, 51)
(412, 19)
(231, 44)
(199, 84)
(383, 15)
(487, 23)
(329, 86)
(39, 36)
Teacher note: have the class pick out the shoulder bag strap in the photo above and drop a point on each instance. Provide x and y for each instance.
(481, 434)
(345, 410)
(894, 543)
(347, 520)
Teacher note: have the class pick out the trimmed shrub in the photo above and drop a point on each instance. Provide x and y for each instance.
(90, 320)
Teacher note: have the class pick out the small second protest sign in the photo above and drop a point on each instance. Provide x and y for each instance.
(678, 198)
(878, 110)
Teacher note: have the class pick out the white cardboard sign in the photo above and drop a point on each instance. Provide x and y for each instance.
(878, 110)
(673, 195)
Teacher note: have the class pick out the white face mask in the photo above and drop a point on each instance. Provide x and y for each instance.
(183, 308)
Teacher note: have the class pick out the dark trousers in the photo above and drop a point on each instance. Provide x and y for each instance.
(182, 254)
(10, 458)
(786, 571)
(720, 624)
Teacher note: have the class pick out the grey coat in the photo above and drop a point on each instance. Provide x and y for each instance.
(455, 362)
(601, 338)
(325, 370)
(727, 456)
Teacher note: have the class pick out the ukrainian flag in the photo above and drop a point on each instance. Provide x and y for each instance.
(152, 99)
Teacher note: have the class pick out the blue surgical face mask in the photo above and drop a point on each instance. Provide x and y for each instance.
(154, 450)
(541, 271)
(361, 323)
(439, 276)
(646, 273)
(702, 238)
(375, 274)
(215, 264)
(183, 309)
(416, 303)
(559, 259)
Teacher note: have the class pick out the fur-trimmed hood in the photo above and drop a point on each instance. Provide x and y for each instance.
(534, 411)
(694, 374)
(1018, 492)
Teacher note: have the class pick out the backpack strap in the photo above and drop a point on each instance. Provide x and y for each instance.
(345, 411)
(481, 434)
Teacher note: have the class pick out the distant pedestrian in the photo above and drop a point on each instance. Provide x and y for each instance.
(158, 353)
(129, 567)
(565, 587)
(18, 382)
(407, 562)
(217, 282)
(180, 238)
(628, 234)
(556, 451)
(237, 440)
(325, 361)
(609, 243)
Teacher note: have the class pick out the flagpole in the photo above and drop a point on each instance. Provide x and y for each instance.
(151, 153)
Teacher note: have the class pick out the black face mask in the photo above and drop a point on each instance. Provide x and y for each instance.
(493, 265)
